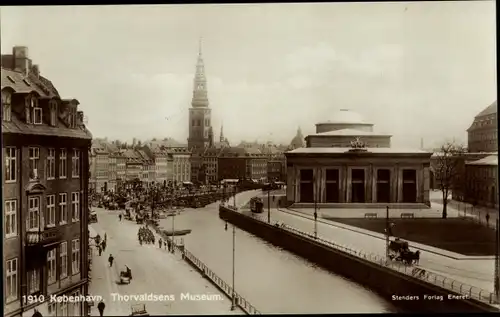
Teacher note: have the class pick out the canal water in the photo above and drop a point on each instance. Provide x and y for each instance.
(271, 279)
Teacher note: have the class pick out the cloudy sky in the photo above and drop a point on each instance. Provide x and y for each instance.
(415, 70)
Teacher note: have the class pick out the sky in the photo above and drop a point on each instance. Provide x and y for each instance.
(414, 69)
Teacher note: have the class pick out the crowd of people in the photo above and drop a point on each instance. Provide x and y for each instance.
(145, 235)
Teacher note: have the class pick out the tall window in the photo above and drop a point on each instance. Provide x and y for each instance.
(63, 212)
(51, 266)
(63, 168)
(51, 210)
(10, 164)
(75, 256)
(37, 112)
(7, 109)
(75, 206)
(11, 280)
(75, 164)
(63, 309)
(34, 156)
(53, 114)
(33, 213)
(10, 218)
(28, 110)
(51, 164)
(64, 259)
(52, 307)
(34, 281)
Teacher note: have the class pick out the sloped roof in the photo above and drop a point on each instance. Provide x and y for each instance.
(488, 160)
(491, 109)
(21, 83)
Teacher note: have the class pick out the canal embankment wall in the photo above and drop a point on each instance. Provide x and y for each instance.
(385, 281)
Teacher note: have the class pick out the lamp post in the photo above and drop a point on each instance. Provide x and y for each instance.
(315, 191)
(497, 262)
(387, 233)
(268, 206)
(173, 222)
(233, 294)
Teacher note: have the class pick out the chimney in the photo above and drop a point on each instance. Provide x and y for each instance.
(22, 63)
(35, 70)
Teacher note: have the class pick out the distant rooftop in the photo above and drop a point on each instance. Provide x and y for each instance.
(339, 150)
(349, 132)
(491, 109)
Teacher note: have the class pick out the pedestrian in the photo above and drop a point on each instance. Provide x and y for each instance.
(487, 219)
(100, 249)
(105, 237)
(165, 244)
(159, 243)
(120, 216)
(111, 259)
(101, 307)
(103, 244)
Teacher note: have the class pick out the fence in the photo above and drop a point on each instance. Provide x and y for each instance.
(248, 308)
(436, 279)
(476, 214)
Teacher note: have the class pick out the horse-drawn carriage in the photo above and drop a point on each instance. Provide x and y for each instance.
(125, 276)
(399, 251)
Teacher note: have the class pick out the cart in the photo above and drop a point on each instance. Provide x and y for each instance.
(124, 278)
(139, 310)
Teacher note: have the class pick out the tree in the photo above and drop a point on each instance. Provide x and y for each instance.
(449, 171)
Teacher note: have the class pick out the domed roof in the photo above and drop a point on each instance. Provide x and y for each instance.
(346, 116)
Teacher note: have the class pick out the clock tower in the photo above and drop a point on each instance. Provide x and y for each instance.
(200, 114)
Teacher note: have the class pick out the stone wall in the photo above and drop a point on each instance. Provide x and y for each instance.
(384, 281)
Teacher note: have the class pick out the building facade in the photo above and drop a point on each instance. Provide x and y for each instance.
(482, 182)
(328, 172)
(275, 171)
(45, 192)
(181, 164)
(483, 132)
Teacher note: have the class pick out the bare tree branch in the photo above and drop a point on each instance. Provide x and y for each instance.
(450, 162)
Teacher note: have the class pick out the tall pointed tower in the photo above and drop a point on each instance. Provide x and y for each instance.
(221, 139)
(199, 114)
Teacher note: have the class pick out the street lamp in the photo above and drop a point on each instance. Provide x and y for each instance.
(315, 192)
(269, 206)
(233, 295)
(497, 261)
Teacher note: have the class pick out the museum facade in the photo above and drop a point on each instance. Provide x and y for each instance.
(347, 164)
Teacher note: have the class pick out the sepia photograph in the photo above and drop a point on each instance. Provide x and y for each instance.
(248, 159)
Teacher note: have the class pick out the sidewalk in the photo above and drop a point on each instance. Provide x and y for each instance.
(477, 214)
(449, 254)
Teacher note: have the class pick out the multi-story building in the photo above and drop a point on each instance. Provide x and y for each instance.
(121, 169)
(148, 169)
(45, 193)
(181, 164)
(242, 163)
(210, 162)
(275, 171)
(101, 163)
(133, 165)
(483, 132)
(482, 182)
(112, 172)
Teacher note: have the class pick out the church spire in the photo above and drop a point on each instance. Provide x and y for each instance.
(200, 95)
(221, 139)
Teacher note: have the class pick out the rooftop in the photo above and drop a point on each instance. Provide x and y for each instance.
(340, 150)
(348, 132)
(491, 109)
(491, 160)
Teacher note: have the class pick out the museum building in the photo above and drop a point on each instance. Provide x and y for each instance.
(348, 165)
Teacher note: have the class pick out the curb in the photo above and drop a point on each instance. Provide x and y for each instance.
(299, 214)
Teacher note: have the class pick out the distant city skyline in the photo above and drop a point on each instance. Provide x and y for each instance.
(416, 70)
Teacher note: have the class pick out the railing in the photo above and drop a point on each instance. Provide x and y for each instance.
(436, 279)
(248, 308)
(226, 288)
